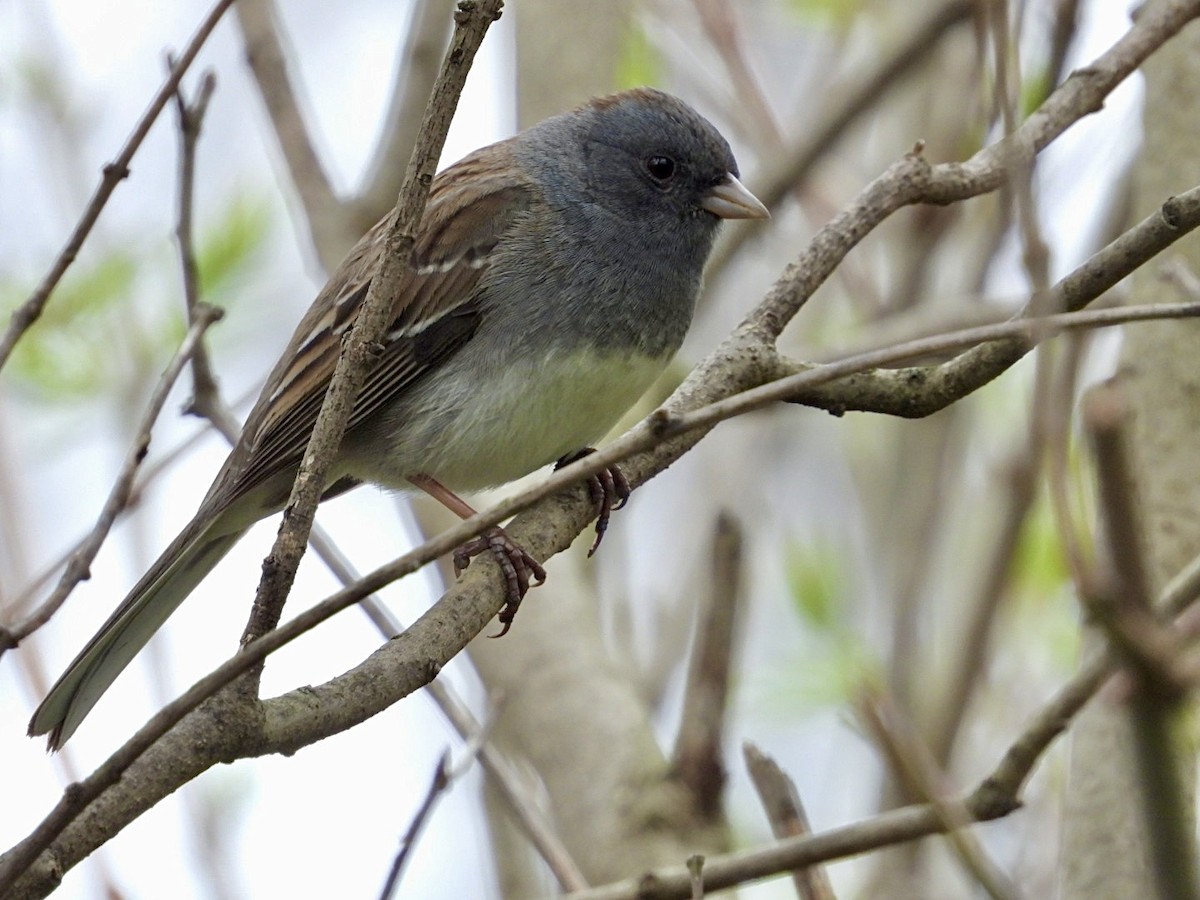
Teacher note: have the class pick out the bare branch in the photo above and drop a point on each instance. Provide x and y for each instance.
(472, 21)
(786, 814)
(509, 783)
(205, 396)
(1156, 707)
(332, 232)
(996, 796)
(419, 59)
(913, 765)
(443, 777)
(794, 164)
(113, 173)
(698, 757)
(79, 565)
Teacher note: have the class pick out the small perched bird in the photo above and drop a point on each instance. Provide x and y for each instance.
(554, 275)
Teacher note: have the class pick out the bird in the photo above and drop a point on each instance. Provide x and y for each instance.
(553, 277)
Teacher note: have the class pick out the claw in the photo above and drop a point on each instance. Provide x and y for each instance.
(608, 488)
(515, 563)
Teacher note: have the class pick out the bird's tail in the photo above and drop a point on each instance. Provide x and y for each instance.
(182, 566)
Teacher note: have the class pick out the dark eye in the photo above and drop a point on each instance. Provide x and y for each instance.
(661, 168)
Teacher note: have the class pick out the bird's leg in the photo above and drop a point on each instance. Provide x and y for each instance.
(516, 564)
(608, 488)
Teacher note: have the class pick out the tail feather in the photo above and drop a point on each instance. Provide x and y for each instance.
(191, 556)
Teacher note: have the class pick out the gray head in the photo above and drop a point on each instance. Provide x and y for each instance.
(650, 161)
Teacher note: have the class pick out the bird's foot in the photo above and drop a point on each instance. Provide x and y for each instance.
(516, 564)
(608, 488)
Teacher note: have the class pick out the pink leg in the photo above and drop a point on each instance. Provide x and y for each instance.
(516, 564)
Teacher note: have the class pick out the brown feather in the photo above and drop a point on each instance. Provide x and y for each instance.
(471, 206)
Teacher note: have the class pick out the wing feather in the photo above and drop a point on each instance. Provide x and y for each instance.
(437, 309)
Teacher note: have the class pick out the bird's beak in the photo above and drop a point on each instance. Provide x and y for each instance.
(729, 199)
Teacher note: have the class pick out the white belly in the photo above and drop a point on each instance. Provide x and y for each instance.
(524, 418)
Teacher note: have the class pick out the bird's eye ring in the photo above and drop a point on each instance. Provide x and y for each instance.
(661, 168)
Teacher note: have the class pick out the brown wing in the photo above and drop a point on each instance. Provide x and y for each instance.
(435, 312)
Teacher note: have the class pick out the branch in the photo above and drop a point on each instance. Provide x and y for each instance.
(113, 173)
(79, 564)
(191, 120)
(414, 658)
(698, 757)
(912, 181)
(423, 47)
(359, 349)
(472, 21)
(1157, 707)
(786, 814)
(332, 233)
(796, 163)
(996, 796)
(746, 359)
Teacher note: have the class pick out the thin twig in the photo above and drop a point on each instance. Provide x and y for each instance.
(512, 787)
(781, 801)
(1024, 333)
(113, 173)
(419, 58)
(970, 659)
(913, 765)
(472, 20)
(191, 121)
(439, 635)
(252, 654)
(796, 163)
(79, 565)
(996, 796)
(695, 867)
(719, 21)
(444, 776)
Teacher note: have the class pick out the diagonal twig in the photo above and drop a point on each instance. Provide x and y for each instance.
(781, 800)
(190, 118)
(79, 564)
(113, 173)
(332, 232)
(472, 20)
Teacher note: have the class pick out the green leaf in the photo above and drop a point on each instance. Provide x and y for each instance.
(1039, 563)
(829, 673)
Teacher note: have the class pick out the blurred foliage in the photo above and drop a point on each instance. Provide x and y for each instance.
(118, 313)
(816, 582)
(1035, 88)
(639, 63)
(835, 662)
(226, 248)
(839, 12)
(1039, 564)
(70, 352)
(1045, 601)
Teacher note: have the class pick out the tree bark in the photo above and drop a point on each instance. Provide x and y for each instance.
(1105, 850)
